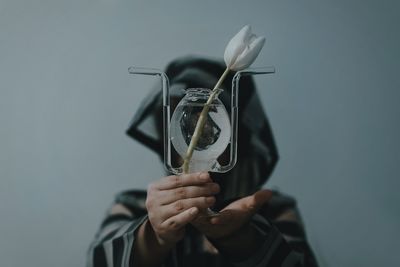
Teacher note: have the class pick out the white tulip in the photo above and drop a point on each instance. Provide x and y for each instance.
(240, 52)
(243, 49)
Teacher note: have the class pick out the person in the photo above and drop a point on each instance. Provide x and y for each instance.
(166, 226)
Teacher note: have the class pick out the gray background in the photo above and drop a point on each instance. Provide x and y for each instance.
(66, 99)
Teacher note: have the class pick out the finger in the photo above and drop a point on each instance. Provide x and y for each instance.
(170, 196)
(179, 206)
(225, 217)
(259, 199)
(175, 181)
(253, 202)
(180, 220)
(243, 208)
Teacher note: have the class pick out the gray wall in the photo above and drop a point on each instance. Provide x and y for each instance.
(66, 99)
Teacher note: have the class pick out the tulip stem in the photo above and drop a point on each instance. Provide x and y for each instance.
(200, 123)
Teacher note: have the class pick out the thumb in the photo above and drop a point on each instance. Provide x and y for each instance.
(226, 217)
(244, 207)
(258, 199)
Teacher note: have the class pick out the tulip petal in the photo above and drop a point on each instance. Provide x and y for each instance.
(236, 45)
(249, 54)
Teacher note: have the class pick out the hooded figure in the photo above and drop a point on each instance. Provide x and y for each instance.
(279, 222)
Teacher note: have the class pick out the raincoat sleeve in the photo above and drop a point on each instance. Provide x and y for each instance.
(113, 243)
(285, 242)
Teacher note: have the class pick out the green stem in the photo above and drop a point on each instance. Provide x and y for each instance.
(200, 123)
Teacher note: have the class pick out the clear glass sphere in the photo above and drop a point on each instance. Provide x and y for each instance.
(215, 135)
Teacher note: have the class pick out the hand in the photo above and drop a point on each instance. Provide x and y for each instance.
(174, 201)
(233, 217)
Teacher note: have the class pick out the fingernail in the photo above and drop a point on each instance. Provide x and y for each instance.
(204, 176)
(210, 200)
(214, 221)
(215, 188)
(193, 211)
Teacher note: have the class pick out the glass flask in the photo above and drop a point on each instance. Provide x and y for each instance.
(216, 150)
(216, 133)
